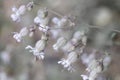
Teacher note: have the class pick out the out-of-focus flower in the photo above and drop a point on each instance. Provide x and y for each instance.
(94, 68)
(3, 75)
(5, 56)
(19, 36)
(39, 47)
(16, 16)
(78, 38)
(86, 59)
(67, 63)
(41, 20)
(68, 47)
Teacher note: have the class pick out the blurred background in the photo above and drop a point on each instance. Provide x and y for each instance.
(102, 17)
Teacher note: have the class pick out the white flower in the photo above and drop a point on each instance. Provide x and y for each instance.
(62, 22)
(5, 56)
(39, 47)
(60, 42)
(21, 10)
(71, 58)
(55, 20)
(55, 33)
(86, 59)
(80, 35)
(42, 23)
(19, 36)
(15, 18)
(36, 52)
(94, 68)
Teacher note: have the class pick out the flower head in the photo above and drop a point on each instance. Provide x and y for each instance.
(19, 36)
(67, 63)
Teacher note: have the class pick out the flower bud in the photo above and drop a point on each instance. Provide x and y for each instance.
(60, 42)
(72, 57)
(40, 45)
(62, 22)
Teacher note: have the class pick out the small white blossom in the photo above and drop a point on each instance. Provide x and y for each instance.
(62, 22)
(41, 20)
(36, 52)
(16, 16)
(55, 20)
(39, 47)
(80, 35)
(71, 58)
(93, 68)
(55, 33)
(86, 59)
(21, 10)
(19, 36)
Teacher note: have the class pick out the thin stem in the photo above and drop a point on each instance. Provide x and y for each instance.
(102, 28)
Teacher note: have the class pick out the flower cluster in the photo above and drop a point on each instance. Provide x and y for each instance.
(18, 12)
(68, 41)
(41, 20)
(94, 68)
(79, 37)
